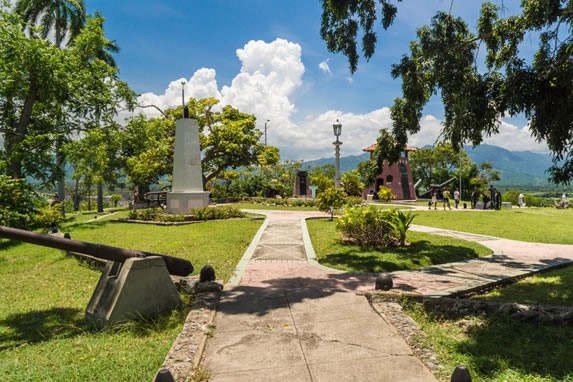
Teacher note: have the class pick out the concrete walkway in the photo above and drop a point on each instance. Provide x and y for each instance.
(283, 317)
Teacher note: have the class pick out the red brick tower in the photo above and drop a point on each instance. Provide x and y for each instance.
(397, 177)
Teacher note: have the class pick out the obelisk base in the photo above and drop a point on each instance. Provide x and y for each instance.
(182, 202)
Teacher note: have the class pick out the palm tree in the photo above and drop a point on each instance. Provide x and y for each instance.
(62, 16)
(109, 46)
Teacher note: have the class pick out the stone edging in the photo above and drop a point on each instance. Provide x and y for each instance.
(186, 352)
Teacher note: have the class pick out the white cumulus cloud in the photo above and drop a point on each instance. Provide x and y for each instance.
(270, 75)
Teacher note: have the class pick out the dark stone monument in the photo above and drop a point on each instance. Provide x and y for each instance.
(301, 184)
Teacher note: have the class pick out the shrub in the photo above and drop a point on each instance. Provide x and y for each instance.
(353, 201)
(330, 200)
(19, 202)
(368, 226)
(145, 214)
(385, 194)
(219, 212)
(47, 216)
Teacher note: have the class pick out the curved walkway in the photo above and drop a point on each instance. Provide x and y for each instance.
(283, 317)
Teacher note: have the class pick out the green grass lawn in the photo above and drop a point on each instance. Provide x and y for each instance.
(540, 225)
(43, 336)
(551, 288)
(424, 250)
(500, 350)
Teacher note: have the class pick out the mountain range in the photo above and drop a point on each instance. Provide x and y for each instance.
(517, 168)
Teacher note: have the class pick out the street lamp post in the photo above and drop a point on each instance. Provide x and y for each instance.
(337, 128)
(268, 120)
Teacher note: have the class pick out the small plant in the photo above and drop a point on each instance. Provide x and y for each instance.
(401, 222)
(385, 194)
(330, 200)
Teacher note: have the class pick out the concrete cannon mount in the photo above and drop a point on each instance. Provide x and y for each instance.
(138, 287)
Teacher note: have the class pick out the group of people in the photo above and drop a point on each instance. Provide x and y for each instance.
(444, 197)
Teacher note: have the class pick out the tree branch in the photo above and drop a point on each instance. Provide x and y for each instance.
(153, 106)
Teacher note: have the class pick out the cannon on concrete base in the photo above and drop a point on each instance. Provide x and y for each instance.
(132, 284)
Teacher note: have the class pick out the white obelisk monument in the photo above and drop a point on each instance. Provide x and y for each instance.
(187, 187)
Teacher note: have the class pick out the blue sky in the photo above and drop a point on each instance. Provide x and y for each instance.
(266, 57)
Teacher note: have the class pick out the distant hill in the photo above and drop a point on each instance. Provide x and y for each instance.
(518, 168)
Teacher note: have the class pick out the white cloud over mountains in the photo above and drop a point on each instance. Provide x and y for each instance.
(269, 77)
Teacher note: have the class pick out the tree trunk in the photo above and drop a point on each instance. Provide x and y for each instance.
(60, 163)
(99, 196)
(77, 195)
(14, 140)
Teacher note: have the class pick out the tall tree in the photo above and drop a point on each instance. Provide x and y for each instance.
(444, 59)
(228, 139)
(33, 100)
(65, 17)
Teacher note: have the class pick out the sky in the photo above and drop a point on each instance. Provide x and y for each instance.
(266, 57)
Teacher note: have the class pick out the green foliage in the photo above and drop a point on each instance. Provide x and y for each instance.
(216, 213)
(322, 177)
(368, 171)
(374, 227)
(351, 183)
(48, 94)
(476, 89)
(116, 198)
(341, 21)
(440, 163)
(330, 200)
(205, 213)
(47, 216)
(65, 18)
(385, 194)
(353, 201)
(401, 222)
(18, 202)
(290, 202)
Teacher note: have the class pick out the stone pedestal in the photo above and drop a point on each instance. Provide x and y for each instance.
(187, 188)
(138, 287)
(181, 202)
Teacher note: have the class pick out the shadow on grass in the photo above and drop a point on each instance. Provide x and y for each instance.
(420, 254)
(41, 325)
(7, 244)
(528, 348)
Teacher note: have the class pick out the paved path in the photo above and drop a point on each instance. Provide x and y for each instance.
(283, 317)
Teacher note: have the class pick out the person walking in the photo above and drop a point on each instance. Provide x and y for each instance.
(446, 199)
(456, 198)
(520, 200)
(434, 201)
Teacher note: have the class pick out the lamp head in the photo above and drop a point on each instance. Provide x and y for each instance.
(337, 128)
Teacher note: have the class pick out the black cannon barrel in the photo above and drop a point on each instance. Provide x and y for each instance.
(175, 265)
